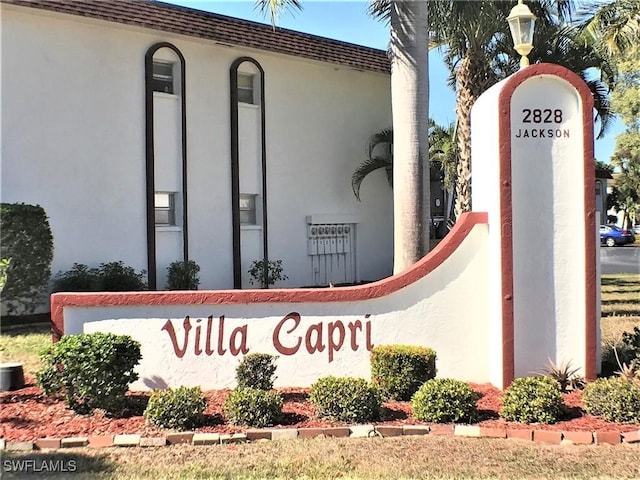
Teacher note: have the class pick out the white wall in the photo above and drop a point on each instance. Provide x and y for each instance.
(73, 141)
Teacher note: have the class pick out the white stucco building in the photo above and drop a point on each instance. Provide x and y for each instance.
(152, 133)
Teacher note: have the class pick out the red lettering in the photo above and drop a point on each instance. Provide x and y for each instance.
(367, 327)
(353, 326)
(207, 349)
(168, 327)
(319, 346)
(197, 350)
(242, 348)
(333, 346)
(221, 350)
(295, 316)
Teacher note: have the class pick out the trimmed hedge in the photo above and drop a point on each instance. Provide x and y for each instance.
(178, 408)
(532, 400)
(26, 240)
(256, 370)
(615, 399)
(346, 399)
(253, 407)
(399, 370)
(92, 370)
(444, 400)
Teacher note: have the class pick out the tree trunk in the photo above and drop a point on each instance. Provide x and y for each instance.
(472, 79)
(410, 100)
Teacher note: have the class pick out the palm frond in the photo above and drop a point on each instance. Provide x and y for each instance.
(381, 10)
(275, 7)
(382, 139)
(371, 164)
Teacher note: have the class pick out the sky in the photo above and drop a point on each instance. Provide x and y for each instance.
(349, 21)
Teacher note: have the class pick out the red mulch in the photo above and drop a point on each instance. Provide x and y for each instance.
(27, 414)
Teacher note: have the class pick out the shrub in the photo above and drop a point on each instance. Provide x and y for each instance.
(256, 370)
(118, 277)
(109, 277)
(266, 274)
(4, 265)
(26, 239)
(180, 408)
(183, 276)
(399, 370)
(615, 353)
(564, 375)
(253, 407)
(532, 400)
(631, 341)
(445, 400)
(346, 399)
(79, 278)
(615, 399)
(91, 370)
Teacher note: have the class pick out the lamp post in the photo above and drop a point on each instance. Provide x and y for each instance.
(521, 23)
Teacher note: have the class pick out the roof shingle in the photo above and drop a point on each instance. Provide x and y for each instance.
(219, 28)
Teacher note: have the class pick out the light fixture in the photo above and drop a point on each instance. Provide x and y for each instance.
(521, 22)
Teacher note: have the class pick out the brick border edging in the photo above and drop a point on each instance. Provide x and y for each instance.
(354, 431)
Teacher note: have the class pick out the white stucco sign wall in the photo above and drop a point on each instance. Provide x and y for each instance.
(198, 338)
(534, 160)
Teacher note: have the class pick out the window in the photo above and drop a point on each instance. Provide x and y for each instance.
(247, 209)
(245, 88)
(163, 77)
(165, 206)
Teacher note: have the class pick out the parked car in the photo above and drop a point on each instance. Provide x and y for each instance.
(612, 235)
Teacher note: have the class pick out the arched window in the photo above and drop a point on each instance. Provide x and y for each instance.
(248, 200)
(166, 195)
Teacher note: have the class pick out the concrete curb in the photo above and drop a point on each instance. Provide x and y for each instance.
(354, 431)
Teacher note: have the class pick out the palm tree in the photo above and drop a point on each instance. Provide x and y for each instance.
(410, 97)
(614, 27)
(479, 53)
(379, 155)
(443, 154)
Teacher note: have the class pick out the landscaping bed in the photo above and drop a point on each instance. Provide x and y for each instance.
(27, 414)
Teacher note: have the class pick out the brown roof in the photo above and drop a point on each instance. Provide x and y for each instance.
(228, 30)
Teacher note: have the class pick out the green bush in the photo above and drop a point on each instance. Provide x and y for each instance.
(615, 399)
(631, 342)
(444, 400)
(253, 407)
(80, 278)
(399, 370)
(346, 399)
(118, 277)
(91, 370)
(108, 277)
(26, 239)
(266, 274)
(4, 266)
(623, 349)
(256, 370)
(180, 408)
(532, 400)
(183, 276)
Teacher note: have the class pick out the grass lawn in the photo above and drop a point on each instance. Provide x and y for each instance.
(428, 457)
(620, 305)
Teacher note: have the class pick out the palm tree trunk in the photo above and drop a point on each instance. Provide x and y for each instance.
(472, 79)
(410, 100)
